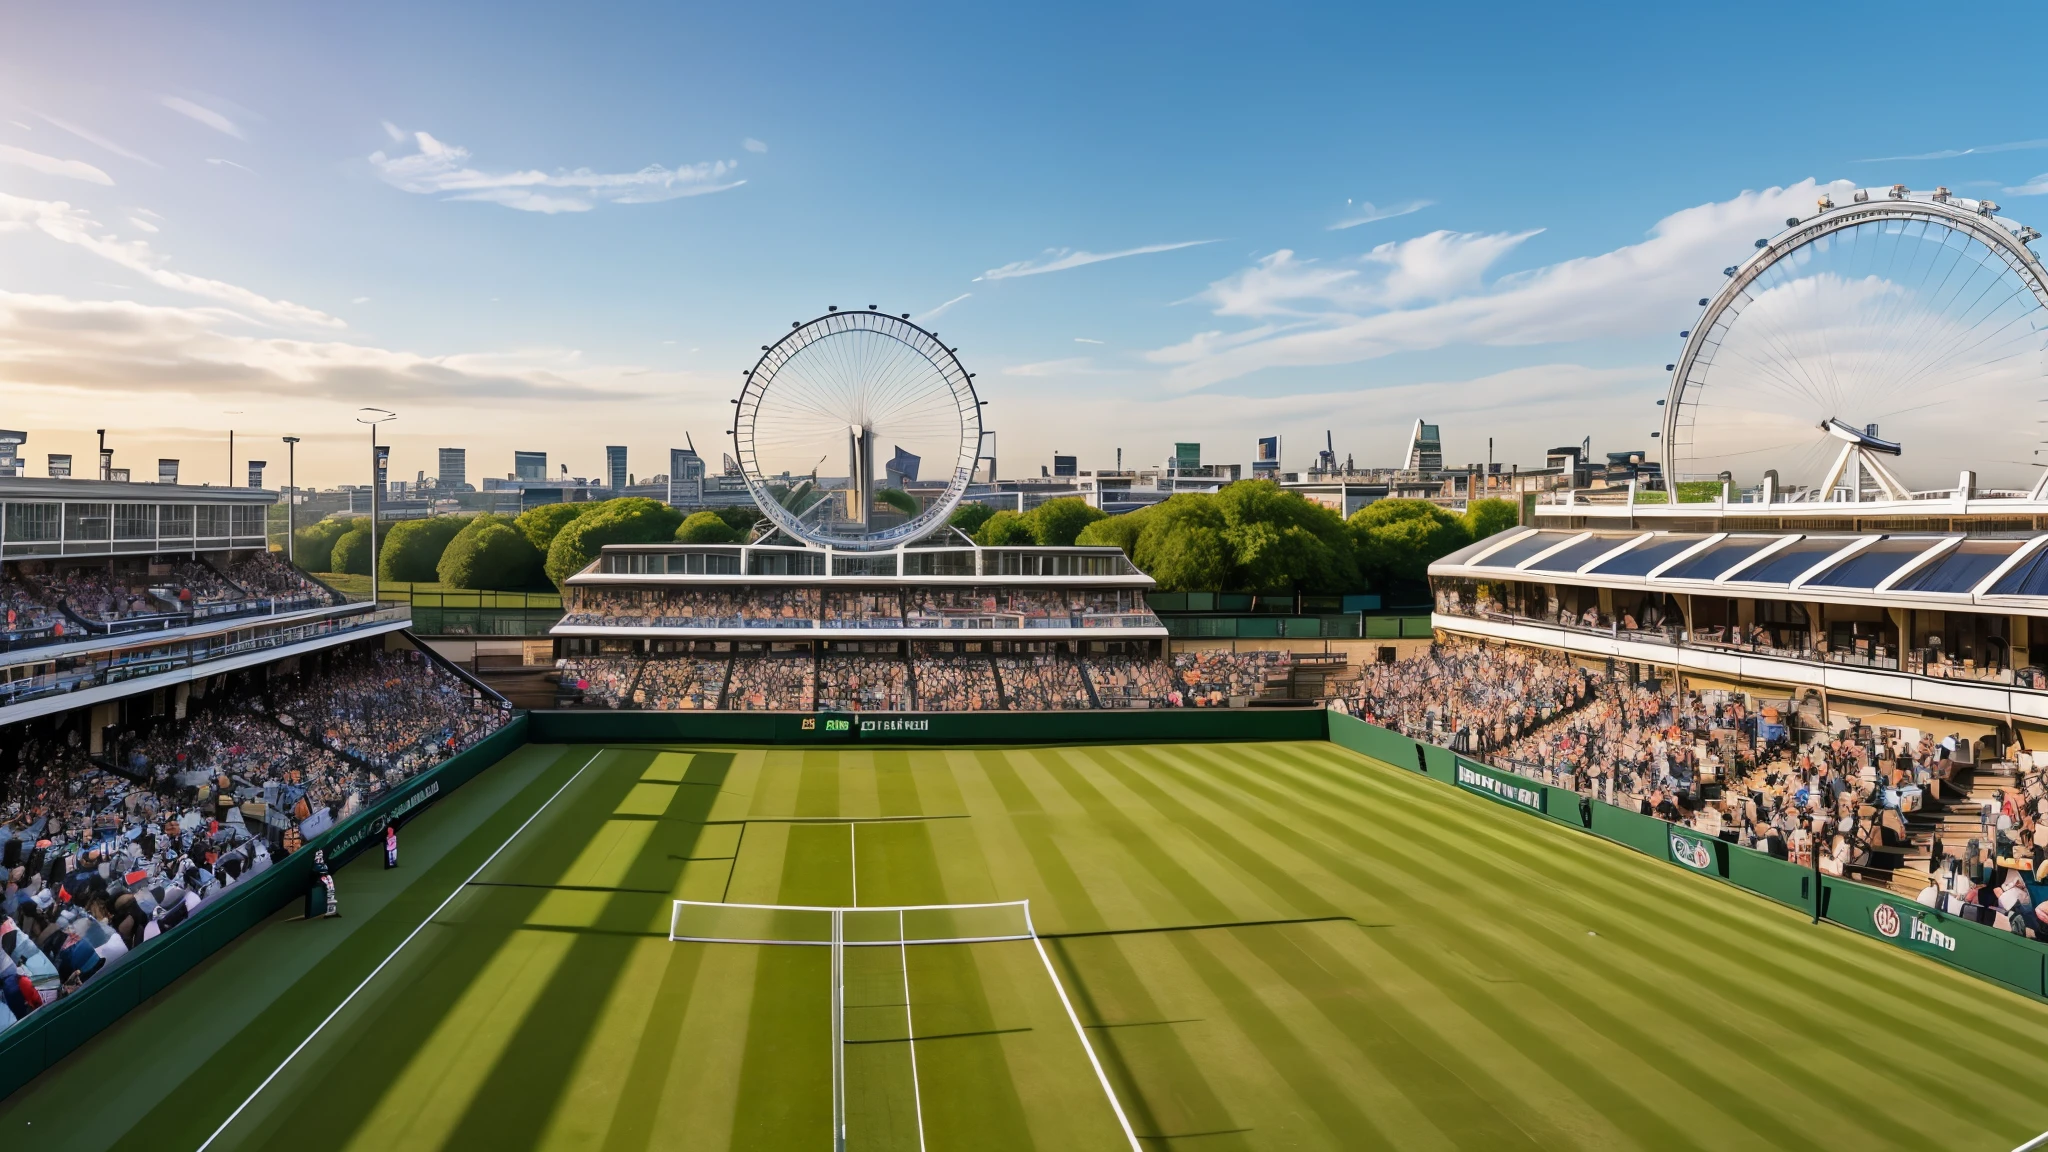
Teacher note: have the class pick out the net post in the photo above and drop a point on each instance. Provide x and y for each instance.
(1101, 1076)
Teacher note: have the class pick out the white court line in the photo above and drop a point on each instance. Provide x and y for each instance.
(853, 860)
(394, 953)
(2032, 1144)
(1100, 1076)
(910, 1031)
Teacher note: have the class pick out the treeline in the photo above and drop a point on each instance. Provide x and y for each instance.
(1254, 536)
(492, 552)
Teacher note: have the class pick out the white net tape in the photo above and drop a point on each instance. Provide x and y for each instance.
(714, 923)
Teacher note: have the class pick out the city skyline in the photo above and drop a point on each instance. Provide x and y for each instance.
(565, 231)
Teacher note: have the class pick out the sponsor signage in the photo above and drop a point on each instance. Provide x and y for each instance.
(1910, 928)
(1699, 853)
(1507, 789)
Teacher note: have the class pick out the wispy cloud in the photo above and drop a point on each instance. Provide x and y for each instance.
(1366, 212)
(442, 169)
(1085, 340)
(1952, 153)
(1070, 366)
(1433, 292)
(203, 115)
(92, 137)
(1061, 259)
(111, 346)
(230, 164)
(2035, 187)
(753, 145)
(941, 309)
(52, 166)
(360, 300)
(142, 225)
(68, 225)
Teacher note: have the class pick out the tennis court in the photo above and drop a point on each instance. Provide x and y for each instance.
(1258, 945)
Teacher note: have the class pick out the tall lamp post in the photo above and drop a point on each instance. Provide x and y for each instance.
(379, 416)
(291, 498)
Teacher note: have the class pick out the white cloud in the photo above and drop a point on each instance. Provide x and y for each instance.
(941, 309)
(1070, 366)
(1061, 259)
(51, 166)
(360, 300)
(2034, 187)
(1085, 340)
(142, 225)
(1366, 212)
(1434, 294)
(439, 168)
(92, 137)
(396, 133)
(202, 114)
(230, 164)
(115, 346)
(753, 145)
(1952, 153)
(62, 222)
(20, 125)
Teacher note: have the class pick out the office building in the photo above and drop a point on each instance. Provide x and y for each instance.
(615, 466)
(685, 478)
(453, 470)
(529, 466)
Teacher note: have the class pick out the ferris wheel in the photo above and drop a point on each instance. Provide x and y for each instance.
(1883, 345)
(837, 392)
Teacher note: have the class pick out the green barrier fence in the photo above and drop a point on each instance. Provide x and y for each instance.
(1770, 877)
(53, 1031)
(2011, 960)
(1164, 725)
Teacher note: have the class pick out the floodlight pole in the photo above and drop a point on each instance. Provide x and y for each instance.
(383, 417)
(291, 498)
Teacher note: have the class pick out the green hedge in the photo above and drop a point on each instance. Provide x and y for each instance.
(52, 1032)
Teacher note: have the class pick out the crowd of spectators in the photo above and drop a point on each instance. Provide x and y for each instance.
(1042, 682)
(266, 576)
(773, 683)
(602, 681)
(1210, 678)
(680, 683)
(1130, 681)
(1475, 697)
(964, 682)
(103, 851)
(864, 683)
(24, 615)
(770, 607)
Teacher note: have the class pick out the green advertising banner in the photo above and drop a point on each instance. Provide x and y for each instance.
(1501, 786)
(1889, 917)
(1699, 853)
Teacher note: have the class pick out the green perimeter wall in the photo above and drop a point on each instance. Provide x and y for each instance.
(49, 1033)
(52, 1032)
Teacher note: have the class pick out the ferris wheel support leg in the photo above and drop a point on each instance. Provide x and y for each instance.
(1886, 482)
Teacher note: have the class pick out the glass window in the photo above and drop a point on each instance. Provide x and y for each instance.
(1584, 552)
(134, 521)
(174, 521)
(87, 521)
(1641, 559)
(785, 562)
(1720, 558)
(2029, 579)
(214, 520)
(1868, 568)
(1785, 565)
(1524, 548)
(1963, 568)
(26, 522)
(954, 562)
(883, 565)
(248, 519)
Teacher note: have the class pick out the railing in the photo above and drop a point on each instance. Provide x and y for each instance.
(91, 670)
(982, 621)
(1917, 662)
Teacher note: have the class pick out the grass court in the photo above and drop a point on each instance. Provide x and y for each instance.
(1274, 945)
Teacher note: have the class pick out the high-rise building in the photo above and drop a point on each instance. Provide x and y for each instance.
(1425, 449)
(1267, 460)
(615, 466)
(1187, 457)
(454, 469)
(685, 478)
(256, 468)
(1065, 465)
(529, 466)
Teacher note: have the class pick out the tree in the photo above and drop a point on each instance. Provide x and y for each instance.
(1004, 528)
(741, 518)
(1182, 545)
(1397, 539)
(1483, 518)
(541, 524)
(1121, 530)
(490, 554)
(410, 550)
(352, 550)
(314, 544)
(627, 520)
(1058, 522)
(900, 500)
(1281, 542)
(969, 518)
(707, 528)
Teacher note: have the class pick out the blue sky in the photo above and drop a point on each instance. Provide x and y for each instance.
(217, 215)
